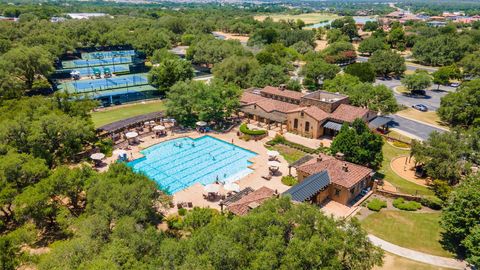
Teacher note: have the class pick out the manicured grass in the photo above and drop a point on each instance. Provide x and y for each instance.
(402, 185)
(117, 113)
(290, 154)
(391, 261)
(417, 231)
(427, 117)
(308, 18)
(395, 135)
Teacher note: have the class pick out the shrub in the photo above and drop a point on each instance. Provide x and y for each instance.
(174, 222)
(401, 204)
(182, 211)
(289, 180)
(376, 205)
(106, 146)
(281, 140)
(401, 144)
(432, 203)
(245, 130)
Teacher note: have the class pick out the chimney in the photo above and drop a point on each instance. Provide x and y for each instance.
(281, 87)
(319, 158)
(345, 167)
(340, 156)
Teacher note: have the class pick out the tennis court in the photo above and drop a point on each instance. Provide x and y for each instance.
(88, 71)
(96, 62)
(107, 54)
(84, 86)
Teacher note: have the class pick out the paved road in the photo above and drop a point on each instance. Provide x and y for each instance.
(419, 129)
(416, 255)
(431, 99)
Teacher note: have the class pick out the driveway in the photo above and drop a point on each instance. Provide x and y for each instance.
(418, 129)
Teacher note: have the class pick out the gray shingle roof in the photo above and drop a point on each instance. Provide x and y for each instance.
(333, 125)
(309, 187)
(379, 121)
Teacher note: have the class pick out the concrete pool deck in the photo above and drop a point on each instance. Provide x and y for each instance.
(194, 193)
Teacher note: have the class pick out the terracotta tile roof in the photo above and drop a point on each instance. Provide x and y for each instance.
(249, 98)
(284, 93)
(314, 111)
(354, 173)
(348, 113)
(270, 105)
(243, 206)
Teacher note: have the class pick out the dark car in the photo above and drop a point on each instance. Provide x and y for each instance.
(420, 107)
(418, 92)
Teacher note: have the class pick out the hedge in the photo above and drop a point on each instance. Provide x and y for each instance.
(289, 180)
(245, 130)
(401, 204)
(376, 205)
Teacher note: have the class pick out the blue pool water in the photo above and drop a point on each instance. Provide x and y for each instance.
(201, 160)
(105, 83)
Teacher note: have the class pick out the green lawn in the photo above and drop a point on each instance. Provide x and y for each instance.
(417, 231)
(386, 172)
(113, 114)
(290, 154)
(391, 261)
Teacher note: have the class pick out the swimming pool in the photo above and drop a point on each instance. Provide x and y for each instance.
(178, 164)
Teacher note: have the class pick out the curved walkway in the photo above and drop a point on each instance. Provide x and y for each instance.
(416, 255)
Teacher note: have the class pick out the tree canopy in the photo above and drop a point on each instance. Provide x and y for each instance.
(316, 71)
(386, 63)
(168, 72)
(462, 107)
(417, 81)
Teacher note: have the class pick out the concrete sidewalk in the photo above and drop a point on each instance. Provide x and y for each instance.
(418, 256)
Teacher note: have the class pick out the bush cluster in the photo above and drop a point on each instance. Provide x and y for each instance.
(432, 203)
(376, 204)
(401, 144)
(289, 180)
(245, 130)
(402, 204)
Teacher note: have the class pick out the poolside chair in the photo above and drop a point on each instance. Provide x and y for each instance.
(267, 177)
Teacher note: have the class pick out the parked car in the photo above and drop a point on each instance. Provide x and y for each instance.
(455, 84)
(419, 92)
(420, 107)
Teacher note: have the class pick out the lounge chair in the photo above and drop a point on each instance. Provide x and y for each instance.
(267, 177)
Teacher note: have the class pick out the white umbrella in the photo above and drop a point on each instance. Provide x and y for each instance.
(274, 164)
(159, 128)
(211, 188)
(231, 187)
(146, 123)
(272, 153)
(119, 152)
(131, 134)
(201, 123)
(97, 156)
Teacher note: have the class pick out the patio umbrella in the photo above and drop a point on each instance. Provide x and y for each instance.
(274, 164)
(119, 152)
(97, 156)
(146, 123)
(272, 153)
(211, 188)
(232, 187)
(131, 134)
(201, 123)
(159, 128)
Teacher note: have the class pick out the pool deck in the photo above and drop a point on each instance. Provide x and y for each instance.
(195, 192)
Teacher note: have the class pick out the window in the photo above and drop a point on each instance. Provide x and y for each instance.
(337, 192)
(295, 123)
(352, 190)
(307, 126)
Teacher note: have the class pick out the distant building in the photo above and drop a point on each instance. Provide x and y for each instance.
(81, 16)
(251, 201)
(57, 19)
(330, 178)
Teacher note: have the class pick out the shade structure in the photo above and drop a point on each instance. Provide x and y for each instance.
(97, 156)
(211, 188)
(232, 187)
(119, 152)
(201, 123)
(274, 164)
(131, 134)
(159, 128)
(272, 153)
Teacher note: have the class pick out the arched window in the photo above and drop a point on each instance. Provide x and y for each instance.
(307, 126)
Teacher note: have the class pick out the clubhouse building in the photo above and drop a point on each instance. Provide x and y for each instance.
(311, 115)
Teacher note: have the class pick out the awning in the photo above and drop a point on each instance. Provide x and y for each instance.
(309, 187)
(332, 125)
(379, 121)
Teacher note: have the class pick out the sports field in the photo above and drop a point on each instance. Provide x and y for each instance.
(85, 86)
(96, 62)
(117, 113)
(308, 18)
